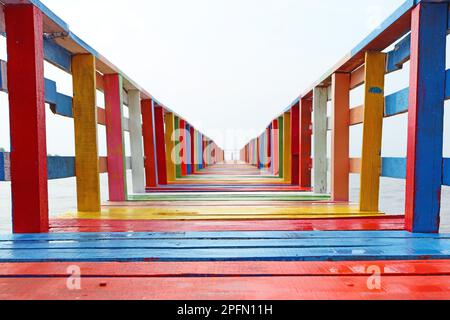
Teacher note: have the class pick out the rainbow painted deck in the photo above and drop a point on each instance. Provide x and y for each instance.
(195, 226)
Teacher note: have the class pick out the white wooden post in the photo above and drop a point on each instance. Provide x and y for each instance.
(320, 99)
(136, 142)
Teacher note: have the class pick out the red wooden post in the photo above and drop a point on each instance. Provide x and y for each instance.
(24, 26)
(295, 143)
(149, 143)
(193, 149)
(160, 145)
(275, 153)
(269, 147)
(114, 137)
(305, 161)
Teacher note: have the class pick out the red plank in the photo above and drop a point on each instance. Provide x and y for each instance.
(149, 143)
(305, 162)
(24, 26)
(228, 268)
(160, 145)
(236, 288)
(114, 137)
(295, 143)
(350, 224)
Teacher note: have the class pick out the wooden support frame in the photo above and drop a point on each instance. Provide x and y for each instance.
(148, 134)
(193, 143)
(340, 163)
(170, 151)
(305, 137)
(24, 25)
(320, 101)
(295, 143)
(160, 144)
(287, 167)
(275, 148)
(136, 141)
(117, 182)
(281, 146)
(87, 166)
(375, 66)
(426, 114)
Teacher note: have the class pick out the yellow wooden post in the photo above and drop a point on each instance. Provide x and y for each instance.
(169, 119)
(85, 120)
(372, 133)
(287, 167)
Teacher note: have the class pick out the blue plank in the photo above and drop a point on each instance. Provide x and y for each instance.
(57, 55)
(394, 168)
(60, 167)
(63, 106)
(446, 172)
(2, 166)
(397, 57)
(223, 235)
(397, 103)
(425, 161)
(418, 249)
(447, 84)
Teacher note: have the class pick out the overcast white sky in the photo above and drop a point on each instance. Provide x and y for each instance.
(222, 64)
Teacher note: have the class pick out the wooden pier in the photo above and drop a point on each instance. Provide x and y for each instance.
(196, 226)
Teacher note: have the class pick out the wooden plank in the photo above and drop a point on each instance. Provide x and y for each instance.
(169, 120)
(394, 168)
(370, 246)
(356, 115)
(136, 141)
(160, 145)
(117, 184)
(357, 77)
(397, 103)
(426, 114)
(399, 55)
(281, 146)
(270, 234)
(27, 118)
(372, 131)
(355, 165)
(177, 148)
(183, 147)
(275, 148)
(305, 161)
(340, 137)
(230, 269)
(149, 143)
(95, 225)
(320, 99)
(295, 144)
(193, 150)
(228, 288)
(287, 173)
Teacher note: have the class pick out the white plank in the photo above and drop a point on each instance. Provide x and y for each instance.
(136, 143)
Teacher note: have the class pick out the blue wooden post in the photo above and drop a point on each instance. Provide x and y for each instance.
(426, 114)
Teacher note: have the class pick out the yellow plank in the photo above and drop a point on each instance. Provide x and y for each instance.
(372, 132)
(85, 121)
(228, 213)
(170, 146)
(287, 147)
